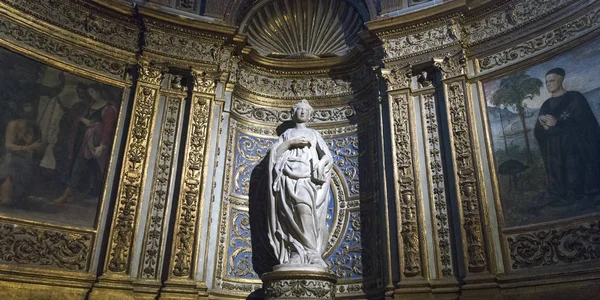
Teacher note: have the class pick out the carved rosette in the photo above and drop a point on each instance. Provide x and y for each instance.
(397, 78)
(153, 245)
(134, 169)
(467, 183)
(437, 186)
(558, 246)
(291, 285)
(32, 245)
(189, 204)
(405, 185)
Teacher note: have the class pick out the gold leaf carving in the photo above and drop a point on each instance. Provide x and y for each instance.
(559, 246)
(24, 244)
(451, 66)
(547, 40)
(517, 14)
(151, 73)
(82, 58)
(132, 176)
(85, 19)
(467, 182)
(189, 199)
(438, 193)
(397, 78)
(204, 82)
(162, 180)
(406, 185)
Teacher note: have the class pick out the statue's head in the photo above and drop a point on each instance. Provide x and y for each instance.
(301, 111)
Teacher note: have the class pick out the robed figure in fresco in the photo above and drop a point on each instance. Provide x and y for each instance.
(300, 171)
(569, 138)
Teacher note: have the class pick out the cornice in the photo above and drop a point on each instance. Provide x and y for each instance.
(188, 23)
(417, 20)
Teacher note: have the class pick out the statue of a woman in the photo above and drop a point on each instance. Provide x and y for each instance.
(300, 172)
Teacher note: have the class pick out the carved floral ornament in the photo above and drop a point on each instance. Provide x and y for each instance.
(451, 66)
(397, 77)
(150, 72)
(204, 81)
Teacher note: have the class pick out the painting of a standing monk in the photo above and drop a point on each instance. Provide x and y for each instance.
(57, 132)
(546, 138)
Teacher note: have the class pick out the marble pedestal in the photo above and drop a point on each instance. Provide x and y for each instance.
(288, 282)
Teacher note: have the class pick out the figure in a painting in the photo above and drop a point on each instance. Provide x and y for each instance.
(70, 117)
(22, 151)
(300, 172)
(90, 138)
(569, 138)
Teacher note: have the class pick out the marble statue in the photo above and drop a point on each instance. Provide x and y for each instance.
(299, 175)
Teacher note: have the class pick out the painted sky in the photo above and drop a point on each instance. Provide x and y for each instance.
(582, 67)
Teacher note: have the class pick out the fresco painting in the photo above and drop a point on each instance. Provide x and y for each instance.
(57, 131)
(546, 138)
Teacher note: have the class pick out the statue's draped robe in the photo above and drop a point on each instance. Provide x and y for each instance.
(291, 174)
(570, 149)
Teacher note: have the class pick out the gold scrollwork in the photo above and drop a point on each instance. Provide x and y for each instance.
(405, 180)
(436, 175)
(31, 39)
(25, 244)
(130, 187)
(189, 203)
(551, 38)
(85, 19)
(550, 247)
(467, 181)
(162, 180)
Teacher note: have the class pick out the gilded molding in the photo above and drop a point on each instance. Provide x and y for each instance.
(414, 43)
(184, 44)
(558, 246)
(83, 58)
(551, 38)
(397, 78)
(297, 87)
(132, 179)
(405, 186)
(467, 184)
(275, 116)
(34, 245)
(189, 204)
(515, 15)
(151, 254)
(437, 186)
(85, 19)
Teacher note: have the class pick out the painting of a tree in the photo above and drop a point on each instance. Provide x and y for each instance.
(514, 90)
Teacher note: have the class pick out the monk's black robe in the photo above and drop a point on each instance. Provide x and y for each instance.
(570, 149)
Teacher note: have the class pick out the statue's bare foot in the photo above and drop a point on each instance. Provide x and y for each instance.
(315, 259)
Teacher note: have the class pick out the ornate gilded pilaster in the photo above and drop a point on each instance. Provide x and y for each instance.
(153, 247)
(408, 209)
(469, 189)
(436, 186)
(117, 269)
(182, 282)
